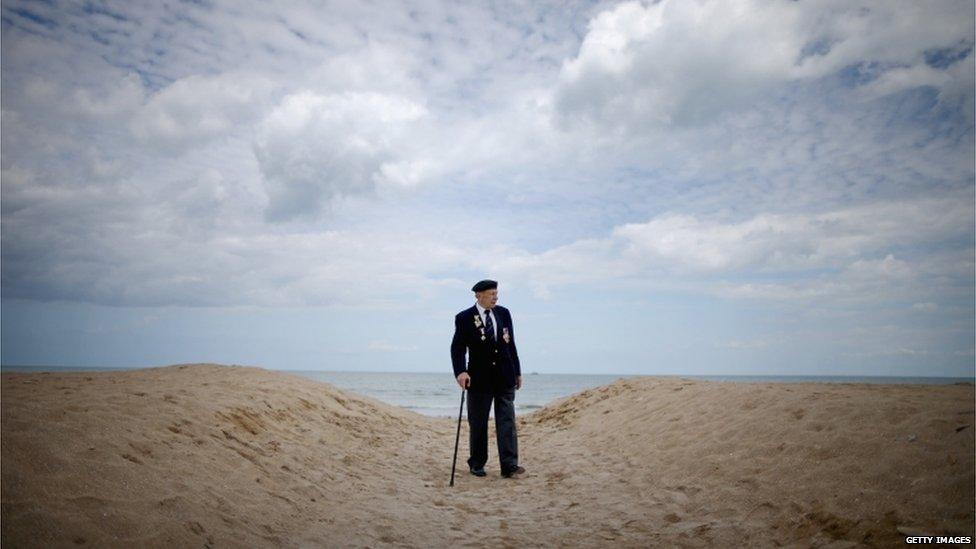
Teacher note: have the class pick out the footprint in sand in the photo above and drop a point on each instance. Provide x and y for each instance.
(765, 510)
(749, 483)
(554, 478)
(691, 490)
(198, 529)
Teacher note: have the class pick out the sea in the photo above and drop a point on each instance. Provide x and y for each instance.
(437, 394)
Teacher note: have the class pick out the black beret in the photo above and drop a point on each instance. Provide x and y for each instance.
(484, 285)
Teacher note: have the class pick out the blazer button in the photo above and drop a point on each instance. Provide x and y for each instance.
(492, 363)
(496, 350)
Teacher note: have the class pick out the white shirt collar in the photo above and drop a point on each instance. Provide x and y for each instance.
(481, 310)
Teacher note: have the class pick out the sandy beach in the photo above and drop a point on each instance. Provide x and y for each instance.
(233, 456)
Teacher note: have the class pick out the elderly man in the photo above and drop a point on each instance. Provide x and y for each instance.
(493, 373)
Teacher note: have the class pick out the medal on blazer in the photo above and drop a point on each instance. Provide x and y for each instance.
(505, 335)
(477, 324)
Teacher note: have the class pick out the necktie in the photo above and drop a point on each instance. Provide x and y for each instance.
(489, 325)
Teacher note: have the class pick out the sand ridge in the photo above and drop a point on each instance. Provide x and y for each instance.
(214, 455)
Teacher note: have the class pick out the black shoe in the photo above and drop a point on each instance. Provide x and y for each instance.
(478, 472)
(517, 471)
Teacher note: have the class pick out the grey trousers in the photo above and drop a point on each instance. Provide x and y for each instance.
(479, 405)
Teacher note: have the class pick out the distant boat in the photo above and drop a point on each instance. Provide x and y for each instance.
(534, 374)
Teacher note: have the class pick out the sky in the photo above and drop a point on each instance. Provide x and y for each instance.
(681, 187)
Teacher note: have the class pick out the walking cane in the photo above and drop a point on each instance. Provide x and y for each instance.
(457, 438)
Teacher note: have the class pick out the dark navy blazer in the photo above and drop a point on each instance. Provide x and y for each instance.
(491, 364)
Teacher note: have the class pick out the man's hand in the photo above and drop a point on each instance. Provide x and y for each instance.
(463, 380)
(518, 383)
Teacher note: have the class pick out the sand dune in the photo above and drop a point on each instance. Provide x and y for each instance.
(217, 456)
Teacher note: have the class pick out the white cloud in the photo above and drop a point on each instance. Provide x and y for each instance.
(314, 147)
(680, 63)
(241, 120)
(122, 98)
(842, 253)
(196, 109)
(778, 242)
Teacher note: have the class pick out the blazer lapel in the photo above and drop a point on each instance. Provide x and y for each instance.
(502, 325)
(472, 314)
